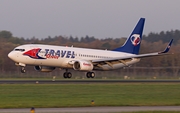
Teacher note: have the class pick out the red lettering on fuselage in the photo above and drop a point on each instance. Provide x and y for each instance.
(51, 57)
(86, 64)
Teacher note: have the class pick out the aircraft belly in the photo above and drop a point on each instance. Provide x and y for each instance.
(61, 62)
(26, 60)
(48, 62)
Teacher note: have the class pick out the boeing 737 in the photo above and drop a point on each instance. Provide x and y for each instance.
(46, 58)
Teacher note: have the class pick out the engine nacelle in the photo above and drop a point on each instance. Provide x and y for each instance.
(83, 65)
(44, 68)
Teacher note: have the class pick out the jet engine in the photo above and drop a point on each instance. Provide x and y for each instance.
(83, 65)
(44, 68)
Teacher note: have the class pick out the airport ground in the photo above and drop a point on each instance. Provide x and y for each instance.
(80, 94)
(127, 109)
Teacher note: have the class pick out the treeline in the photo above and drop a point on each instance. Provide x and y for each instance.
(163, 36)
(151, 43)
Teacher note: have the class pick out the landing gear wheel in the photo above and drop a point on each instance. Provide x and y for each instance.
(90, 74)
(23, 70)
(67, 75)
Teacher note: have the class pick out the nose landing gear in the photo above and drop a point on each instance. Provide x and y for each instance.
(23, 70)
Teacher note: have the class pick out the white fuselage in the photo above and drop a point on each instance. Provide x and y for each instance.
(63, 57)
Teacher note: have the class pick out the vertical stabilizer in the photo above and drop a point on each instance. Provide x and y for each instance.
(132, 44)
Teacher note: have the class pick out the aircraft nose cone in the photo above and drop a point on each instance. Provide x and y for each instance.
(10, 55)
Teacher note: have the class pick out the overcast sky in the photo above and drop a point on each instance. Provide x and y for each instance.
(98, 18)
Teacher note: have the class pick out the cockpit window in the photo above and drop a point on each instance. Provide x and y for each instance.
(19, 50)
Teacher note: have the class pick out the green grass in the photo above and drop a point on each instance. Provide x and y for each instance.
(76, 95)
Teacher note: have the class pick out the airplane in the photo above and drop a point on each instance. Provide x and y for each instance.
(46, 58)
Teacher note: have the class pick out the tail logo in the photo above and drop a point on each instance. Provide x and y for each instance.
(135, 39)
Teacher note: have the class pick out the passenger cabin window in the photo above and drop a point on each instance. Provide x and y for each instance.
(19, 50)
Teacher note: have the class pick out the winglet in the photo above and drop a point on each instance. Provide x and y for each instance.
(167, 47)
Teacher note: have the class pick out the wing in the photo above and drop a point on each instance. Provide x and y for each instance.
(124, 59)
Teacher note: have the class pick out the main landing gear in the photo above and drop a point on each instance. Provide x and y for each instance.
(69, 74)
(90, 74)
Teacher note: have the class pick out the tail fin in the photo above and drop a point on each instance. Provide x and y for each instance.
(132, 44)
